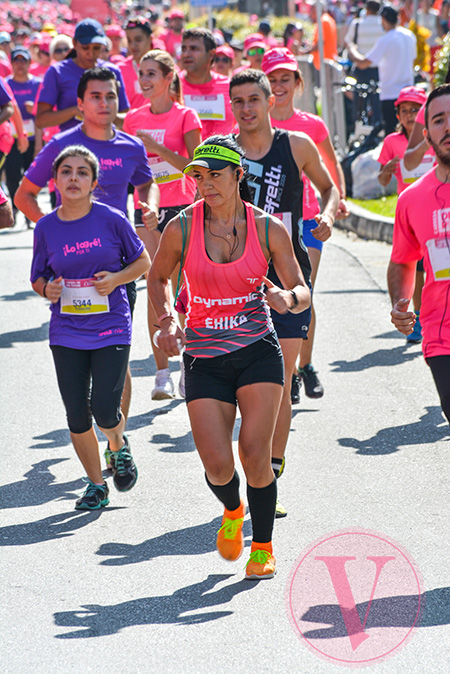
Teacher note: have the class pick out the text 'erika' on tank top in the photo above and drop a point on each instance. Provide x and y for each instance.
(226, 308)
(277, 188)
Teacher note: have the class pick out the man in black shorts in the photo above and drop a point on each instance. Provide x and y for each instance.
(275, 160)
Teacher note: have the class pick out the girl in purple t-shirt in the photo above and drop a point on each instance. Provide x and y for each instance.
(84, 254)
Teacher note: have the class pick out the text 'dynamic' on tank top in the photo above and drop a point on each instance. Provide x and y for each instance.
(226, 308)
(277, 188)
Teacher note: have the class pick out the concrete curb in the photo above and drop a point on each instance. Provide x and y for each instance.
(367, 225)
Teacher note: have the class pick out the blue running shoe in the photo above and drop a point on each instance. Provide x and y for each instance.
(416, 336)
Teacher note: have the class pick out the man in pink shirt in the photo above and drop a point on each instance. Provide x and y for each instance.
(173, 34)
(422, 228)
(205, 91)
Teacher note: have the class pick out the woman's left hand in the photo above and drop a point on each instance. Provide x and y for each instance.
(277, 298)
(105, 282)
(324, 227)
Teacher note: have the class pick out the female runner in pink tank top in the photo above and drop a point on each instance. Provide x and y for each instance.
(232, 355)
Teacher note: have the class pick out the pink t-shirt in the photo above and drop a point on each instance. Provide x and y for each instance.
(212, 103)
(172, 42)
(317, 130)
(38, 70)
(422, 229)
(395, 145)
(168, 129)
(129, 70)
(3, 198)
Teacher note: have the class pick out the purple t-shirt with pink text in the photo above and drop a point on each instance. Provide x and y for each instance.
(123, 160)
(25, 91)
(103, 240)
(61, 83)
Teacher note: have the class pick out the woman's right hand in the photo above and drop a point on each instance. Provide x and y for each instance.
(53, 290)
(169, 336)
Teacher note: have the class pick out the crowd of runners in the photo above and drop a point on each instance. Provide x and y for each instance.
(235, 192)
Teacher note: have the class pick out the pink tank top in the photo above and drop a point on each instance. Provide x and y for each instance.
(226, 308)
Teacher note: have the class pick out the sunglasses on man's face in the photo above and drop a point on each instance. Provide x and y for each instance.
(222, 59)
(61, 50)
(255, 51)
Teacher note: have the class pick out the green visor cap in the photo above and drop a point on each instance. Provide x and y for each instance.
(213, 157)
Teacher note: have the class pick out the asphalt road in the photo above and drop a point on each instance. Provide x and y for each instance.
(139, 587)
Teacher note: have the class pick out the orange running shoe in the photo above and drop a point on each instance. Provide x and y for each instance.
(230, 540)
(262, 564)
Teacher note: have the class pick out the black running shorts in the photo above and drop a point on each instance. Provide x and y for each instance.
(222, 376)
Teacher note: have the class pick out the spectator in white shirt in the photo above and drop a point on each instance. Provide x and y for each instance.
(364, 32)
(394, 54)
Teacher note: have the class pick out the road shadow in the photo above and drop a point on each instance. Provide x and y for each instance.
(431, 427)
(351, 291)
(97, 621)
(18, 297)
(146, 367)
(147, 418)
(174, 445)
(38, 487)
(196, 540)
(398, 611)
(52, 439)
(8, 339)
(380, 358)
(49, 528)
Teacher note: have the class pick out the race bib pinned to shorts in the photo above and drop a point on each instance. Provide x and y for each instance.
(439, 254)
(80, 298)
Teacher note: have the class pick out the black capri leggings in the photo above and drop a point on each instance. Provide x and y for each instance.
(440, 369)
(106, 368)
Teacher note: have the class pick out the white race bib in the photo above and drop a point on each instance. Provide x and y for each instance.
(208, 107)
(163, 172)
(439, 254)
(286, 219)
(28, 128)
(413, 175)
(80, 297)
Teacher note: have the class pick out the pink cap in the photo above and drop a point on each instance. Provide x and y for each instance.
(114, 30)
(44, 44)
(225, 51)
(279, 57)
(175, 14)
(254, 39)
(411, 94)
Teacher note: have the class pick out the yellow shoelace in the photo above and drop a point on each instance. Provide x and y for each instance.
(231, 527)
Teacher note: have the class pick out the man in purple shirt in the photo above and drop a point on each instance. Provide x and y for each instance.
(123, 160)
(61, 79)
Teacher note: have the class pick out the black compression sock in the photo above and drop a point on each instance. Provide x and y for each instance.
(262, 502)
(228, 494)
(277, 466)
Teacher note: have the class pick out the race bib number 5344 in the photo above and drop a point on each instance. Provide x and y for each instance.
(80, 297)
